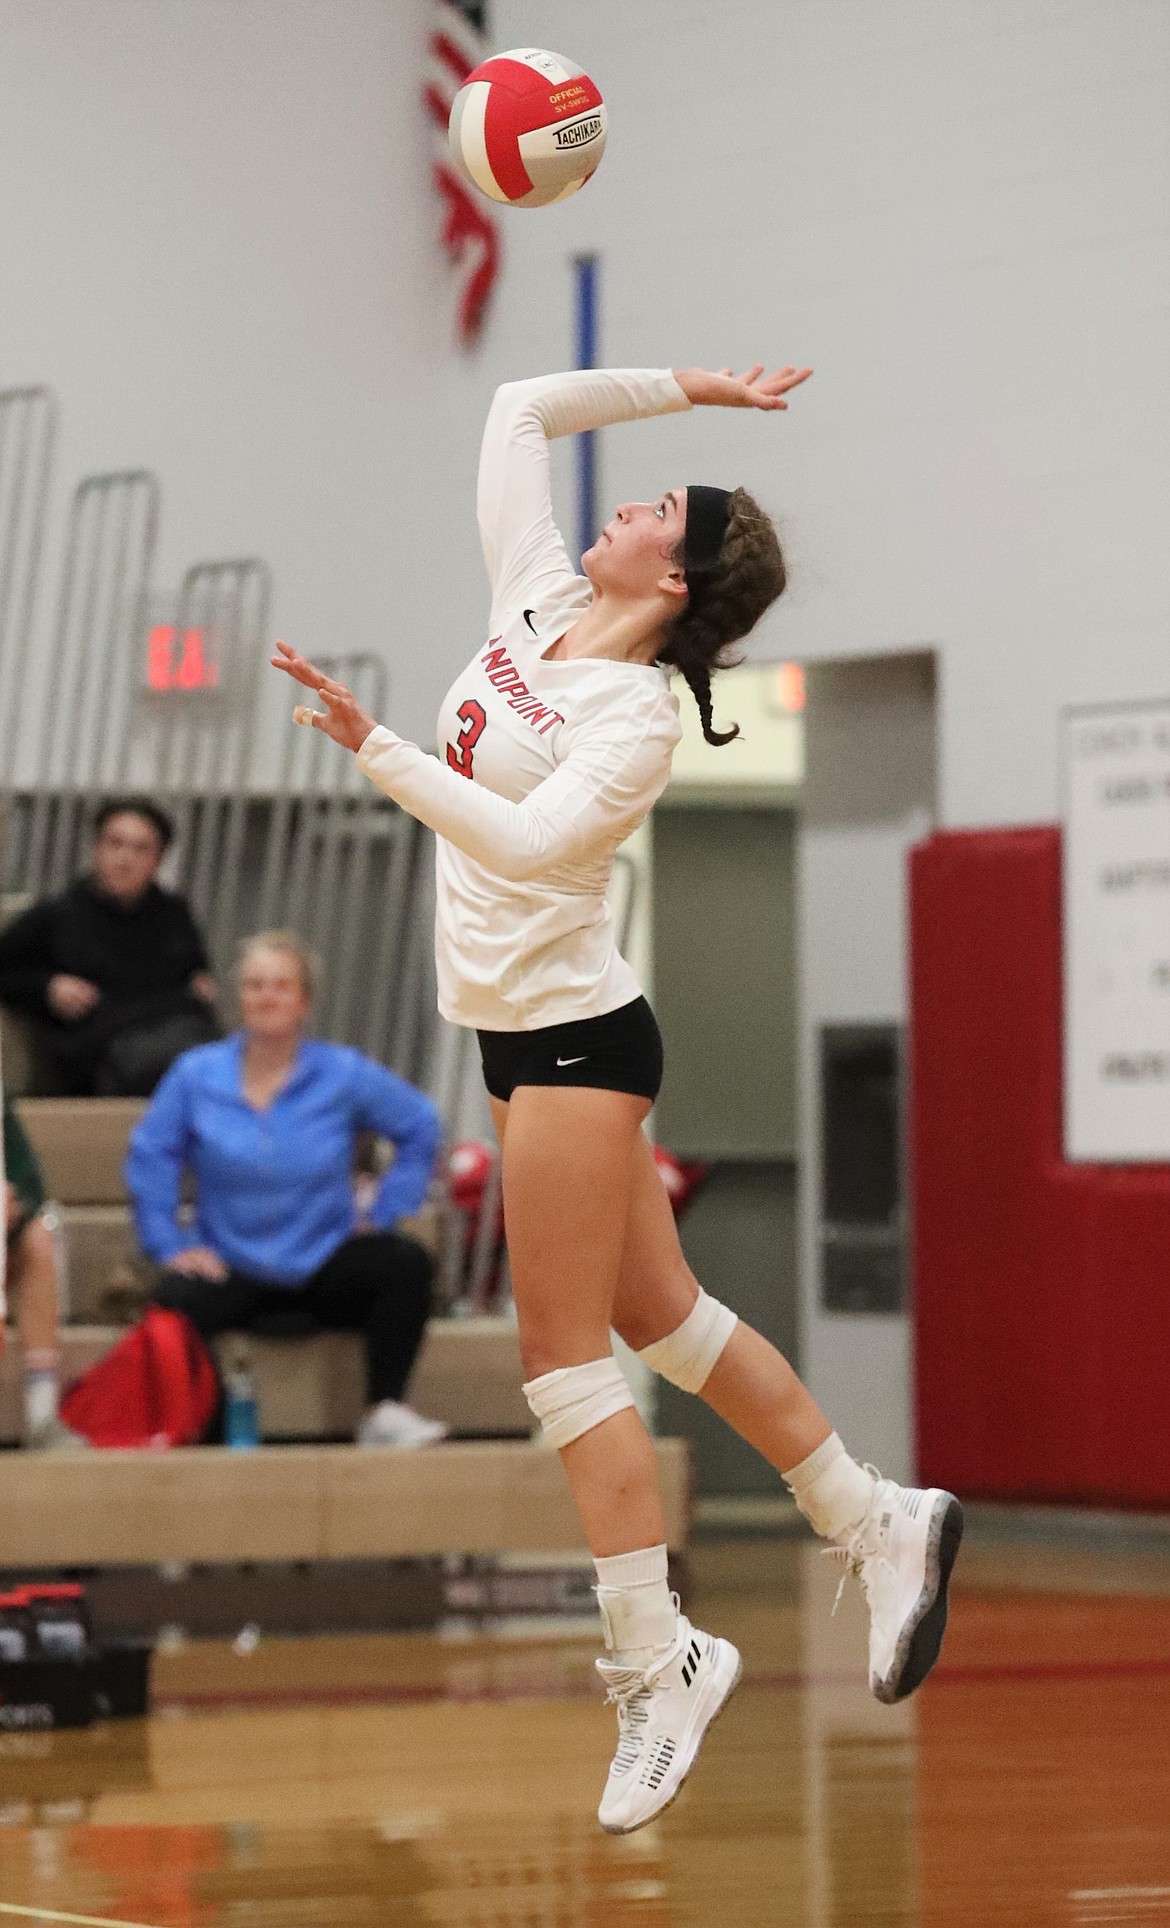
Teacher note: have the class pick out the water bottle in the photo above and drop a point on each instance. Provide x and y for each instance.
(241, 1417)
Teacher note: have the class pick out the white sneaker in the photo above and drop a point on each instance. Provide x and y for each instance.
(902, 1553)
(664, 1709)
(392, 1424)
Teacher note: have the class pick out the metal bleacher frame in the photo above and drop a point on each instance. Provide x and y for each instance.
(77, 722)
(273, 826)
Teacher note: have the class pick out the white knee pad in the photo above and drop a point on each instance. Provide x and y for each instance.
(574, 1399)
(687, 1355)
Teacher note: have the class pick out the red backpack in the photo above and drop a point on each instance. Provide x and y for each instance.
(157, 1387)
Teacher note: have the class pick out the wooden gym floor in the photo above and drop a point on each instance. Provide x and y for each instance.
(414, 1779)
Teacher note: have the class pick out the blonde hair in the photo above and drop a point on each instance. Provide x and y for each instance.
(292, 946)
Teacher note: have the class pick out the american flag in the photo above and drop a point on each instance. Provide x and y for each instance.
(471, 236)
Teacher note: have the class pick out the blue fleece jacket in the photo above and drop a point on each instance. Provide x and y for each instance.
(274, 1188)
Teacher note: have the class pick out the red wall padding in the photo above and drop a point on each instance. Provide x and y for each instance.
(1042, 1290)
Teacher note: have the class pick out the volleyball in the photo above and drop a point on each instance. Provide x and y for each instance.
(527, 128)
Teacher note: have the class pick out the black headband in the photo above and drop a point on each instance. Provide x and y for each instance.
(707, 513)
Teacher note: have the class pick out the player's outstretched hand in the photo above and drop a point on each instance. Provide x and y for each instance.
(752, 389)
(342, 718)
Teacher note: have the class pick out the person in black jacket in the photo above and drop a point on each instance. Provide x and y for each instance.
(113, 972)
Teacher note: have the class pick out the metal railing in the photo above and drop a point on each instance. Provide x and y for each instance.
(349, 872)
(27, 433)
(86, 705)
(319, 851)
(203, 738)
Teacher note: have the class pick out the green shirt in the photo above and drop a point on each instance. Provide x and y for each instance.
(20, 1166)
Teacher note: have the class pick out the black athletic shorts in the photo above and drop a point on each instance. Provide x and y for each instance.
(621, 1051)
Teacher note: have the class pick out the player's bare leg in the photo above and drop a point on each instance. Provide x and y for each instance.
(901, 1542)
(33, 1284)
(569, 1156)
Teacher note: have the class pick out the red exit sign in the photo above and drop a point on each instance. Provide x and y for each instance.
(175, 662)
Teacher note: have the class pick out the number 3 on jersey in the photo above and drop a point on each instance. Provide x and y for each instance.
(461, 752)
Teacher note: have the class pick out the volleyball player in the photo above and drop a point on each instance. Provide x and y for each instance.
(555, 742)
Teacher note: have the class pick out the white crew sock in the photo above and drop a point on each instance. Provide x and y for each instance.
(831, 1490)
(40, 1389)
(637, 1607)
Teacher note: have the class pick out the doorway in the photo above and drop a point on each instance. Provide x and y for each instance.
(724, 967)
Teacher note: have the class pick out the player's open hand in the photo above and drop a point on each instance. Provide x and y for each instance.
(752, 389)
(342, 718)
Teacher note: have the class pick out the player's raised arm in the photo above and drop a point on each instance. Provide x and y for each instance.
(523, 548)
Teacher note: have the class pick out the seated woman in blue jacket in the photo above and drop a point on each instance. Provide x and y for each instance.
(266, 1122)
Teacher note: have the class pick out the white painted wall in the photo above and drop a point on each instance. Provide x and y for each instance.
(959, 212)
(217, 237)
(218, 244)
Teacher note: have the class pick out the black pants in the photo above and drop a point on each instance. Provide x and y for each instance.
(122, 1050)
(378, 1283)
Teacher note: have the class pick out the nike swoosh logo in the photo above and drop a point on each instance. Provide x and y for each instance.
(528, 615)
(580, 1060)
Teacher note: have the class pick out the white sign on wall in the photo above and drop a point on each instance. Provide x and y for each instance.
(1117, 933)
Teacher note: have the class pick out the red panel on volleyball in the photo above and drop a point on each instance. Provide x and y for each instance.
(1042, 1289)
(519, 102)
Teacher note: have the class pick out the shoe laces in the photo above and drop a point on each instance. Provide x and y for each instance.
(629, 1689)
(861, 1555)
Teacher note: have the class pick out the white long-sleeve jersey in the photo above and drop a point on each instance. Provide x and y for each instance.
(544, 768)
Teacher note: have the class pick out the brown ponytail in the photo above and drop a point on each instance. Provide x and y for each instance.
(746, 579)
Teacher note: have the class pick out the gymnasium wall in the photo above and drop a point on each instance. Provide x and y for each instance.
(217, 244)
(217, 241)
(960, 214)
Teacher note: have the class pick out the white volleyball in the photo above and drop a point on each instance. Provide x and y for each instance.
(527, 128)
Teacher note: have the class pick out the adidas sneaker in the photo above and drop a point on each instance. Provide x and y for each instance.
(663, 1709)
(902, 1553)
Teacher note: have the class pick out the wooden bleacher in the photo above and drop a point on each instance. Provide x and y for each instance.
(496, 1494)
(210, 1505)
(468, 1373)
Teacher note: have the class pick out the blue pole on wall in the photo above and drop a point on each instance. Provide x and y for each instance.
(586, 269)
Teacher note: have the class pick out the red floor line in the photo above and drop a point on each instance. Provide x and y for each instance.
(198, 1701)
